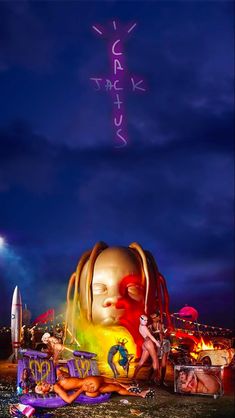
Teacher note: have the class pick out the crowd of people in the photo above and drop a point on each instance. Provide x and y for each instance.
(155, 345)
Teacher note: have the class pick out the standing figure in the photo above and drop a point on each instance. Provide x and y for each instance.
(112, 351)
(148, 347)
(125, 359)
(125, 356)
(158, 331)
(22, 337)
(59, 334)
(54, 347)
(27, 336)
(33, 337)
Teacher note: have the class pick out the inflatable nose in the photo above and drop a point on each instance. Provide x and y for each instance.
(111, 301)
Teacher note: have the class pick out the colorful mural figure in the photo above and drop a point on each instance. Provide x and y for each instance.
(124, 359)
(27, 382)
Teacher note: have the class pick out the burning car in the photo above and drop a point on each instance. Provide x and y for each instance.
(192, 350)
(218, 357)
(182, 346)
(213, 353)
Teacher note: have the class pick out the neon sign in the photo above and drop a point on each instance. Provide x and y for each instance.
(117, 81)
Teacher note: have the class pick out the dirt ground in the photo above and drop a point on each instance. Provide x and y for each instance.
(165, 404)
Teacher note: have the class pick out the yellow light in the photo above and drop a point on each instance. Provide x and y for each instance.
(98, 339)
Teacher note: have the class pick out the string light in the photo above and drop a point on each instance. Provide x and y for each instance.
(209, 329)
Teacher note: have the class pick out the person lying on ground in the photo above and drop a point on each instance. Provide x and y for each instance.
(91, 386)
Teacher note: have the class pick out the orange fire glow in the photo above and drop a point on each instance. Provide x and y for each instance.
(202, 345)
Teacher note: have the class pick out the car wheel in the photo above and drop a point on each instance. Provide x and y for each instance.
(206, 361)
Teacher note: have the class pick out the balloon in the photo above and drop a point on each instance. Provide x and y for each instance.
(188, 313)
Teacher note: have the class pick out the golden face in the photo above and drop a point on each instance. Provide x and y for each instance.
(117, 285)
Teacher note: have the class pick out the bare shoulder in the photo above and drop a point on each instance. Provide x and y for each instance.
(57, 388)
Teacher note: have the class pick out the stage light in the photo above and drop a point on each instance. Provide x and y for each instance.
(2, 242)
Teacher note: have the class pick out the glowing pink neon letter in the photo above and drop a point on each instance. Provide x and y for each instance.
(113, 51)
(117, 66)
(118, 123)
(116, 81)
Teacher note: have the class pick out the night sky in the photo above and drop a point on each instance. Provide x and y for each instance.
(63, 183)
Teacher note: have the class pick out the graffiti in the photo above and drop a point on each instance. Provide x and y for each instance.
(118, 81)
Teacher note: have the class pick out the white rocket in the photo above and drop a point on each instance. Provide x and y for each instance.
(16, 321)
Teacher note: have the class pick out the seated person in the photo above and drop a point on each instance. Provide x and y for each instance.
(91, 386)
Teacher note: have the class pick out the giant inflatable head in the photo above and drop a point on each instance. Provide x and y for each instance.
(118, 285)
(114, 286)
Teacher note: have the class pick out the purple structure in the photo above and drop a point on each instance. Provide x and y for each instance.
(41, 369)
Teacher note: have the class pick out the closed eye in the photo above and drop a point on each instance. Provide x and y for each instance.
(135, 292)
(99, 289)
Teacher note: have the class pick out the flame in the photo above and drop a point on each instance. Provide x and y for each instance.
(202, 346)
(194, 355)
